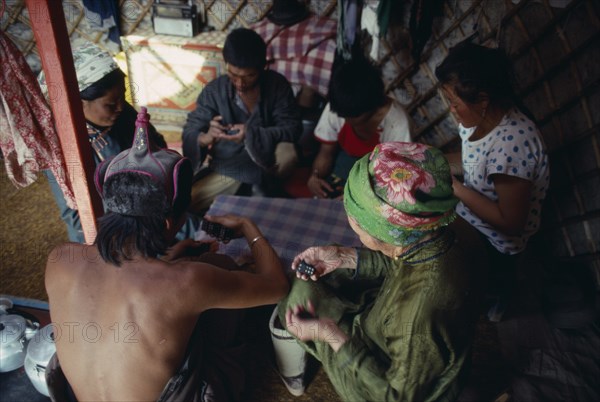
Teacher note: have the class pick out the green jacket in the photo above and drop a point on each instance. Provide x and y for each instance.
(410, 323)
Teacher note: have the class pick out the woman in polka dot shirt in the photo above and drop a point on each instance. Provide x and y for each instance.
(503, 160)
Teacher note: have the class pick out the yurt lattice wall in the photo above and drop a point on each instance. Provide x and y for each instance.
(554, 48)
(553, 45)
(222, 15)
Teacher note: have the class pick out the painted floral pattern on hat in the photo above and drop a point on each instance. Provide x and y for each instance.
(401, 179)
(400, 192)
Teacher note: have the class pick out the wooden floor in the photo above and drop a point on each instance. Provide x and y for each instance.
(504, 354)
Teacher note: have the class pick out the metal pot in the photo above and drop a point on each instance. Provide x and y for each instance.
(39, 352)
(12, 342)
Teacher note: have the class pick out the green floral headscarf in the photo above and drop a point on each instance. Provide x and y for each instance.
(400, 192)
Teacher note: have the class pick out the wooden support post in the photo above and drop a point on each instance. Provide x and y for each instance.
(50, 30)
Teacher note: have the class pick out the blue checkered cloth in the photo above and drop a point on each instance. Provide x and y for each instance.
(290, 225)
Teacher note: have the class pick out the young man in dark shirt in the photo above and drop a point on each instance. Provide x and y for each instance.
(246, 120)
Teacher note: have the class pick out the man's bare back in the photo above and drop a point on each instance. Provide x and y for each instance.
(128, 311)
(122, 332)
(125, 308)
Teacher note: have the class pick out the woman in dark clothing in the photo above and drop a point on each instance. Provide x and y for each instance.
(109, 119)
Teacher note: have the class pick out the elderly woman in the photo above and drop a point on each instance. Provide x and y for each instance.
(391, 321)
(109, 119)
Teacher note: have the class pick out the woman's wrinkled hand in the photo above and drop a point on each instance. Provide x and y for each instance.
(303, 323)
(325, 259)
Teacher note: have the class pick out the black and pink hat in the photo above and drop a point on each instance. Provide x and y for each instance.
(166, 167)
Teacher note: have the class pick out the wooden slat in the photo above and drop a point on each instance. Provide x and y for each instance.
(591, 257)
(426, 53)
(259, 12)
(558, 190)
(438, 41)
(13, 12)
(573, 220)
(330, 8)
(587, 91)
(433, 122)
(548, 28)
(49, 28)
(234, 14)
(557, 68)
(544, 83)
(146, 10)
(574, 139)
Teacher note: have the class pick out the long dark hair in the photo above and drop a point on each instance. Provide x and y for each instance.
(473, 69)
(120, 237)
(356, 88)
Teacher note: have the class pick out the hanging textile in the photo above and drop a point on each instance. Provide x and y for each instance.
(369, 23)
(103, 15)
(303, 52)
(28, 139)
(348, 24)
(421, 22)
(384, 11)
